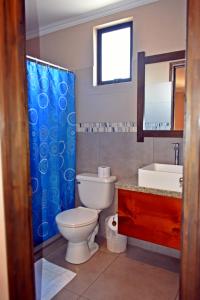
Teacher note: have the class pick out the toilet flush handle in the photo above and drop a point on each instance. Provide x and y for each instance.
(78, 182)
(181, 181)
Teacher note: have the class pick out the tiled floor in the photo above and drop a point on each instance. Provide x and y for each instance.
(136, 275)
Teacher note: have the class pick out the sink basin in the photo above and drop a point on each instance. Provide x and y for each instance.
(161, 176)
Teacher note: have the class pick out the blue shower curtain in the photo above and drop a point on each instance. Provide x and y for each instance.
(52, 131)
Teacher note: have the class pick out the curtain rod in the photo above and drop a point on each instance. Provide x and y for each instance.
(46, 63)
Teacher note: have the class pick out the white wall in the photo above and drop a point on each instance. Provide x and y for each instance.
(159, 27)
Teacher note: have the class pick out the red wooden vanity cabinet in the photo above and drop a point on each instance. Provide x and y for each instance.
(150, 217)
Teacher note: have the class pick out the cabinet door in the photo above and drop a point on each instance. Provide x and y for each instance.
(149, 217)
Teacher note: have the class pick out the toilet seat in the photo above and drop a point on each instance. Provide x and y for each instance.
(77, 217)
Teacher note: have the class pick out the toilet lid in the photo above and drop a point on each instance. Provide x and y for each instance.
(77, 217)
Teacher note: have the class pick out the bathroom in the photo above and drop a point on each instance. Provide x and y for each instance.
(106, 124)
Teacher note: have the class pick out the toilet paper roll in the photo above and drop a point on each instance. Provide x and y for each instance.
(104, 171)
(113, 223)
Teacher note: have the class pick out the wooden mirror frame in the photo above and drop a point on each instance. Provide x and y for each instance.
(142, 61)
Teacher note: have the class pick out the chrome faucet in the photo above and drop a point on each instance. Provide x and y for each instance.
(176, 153)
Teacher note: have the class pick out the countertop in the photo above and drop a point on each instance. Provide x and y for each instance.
(131, 184)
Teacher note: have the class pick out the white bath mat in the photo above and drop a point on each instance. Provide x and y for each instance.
(50, 279)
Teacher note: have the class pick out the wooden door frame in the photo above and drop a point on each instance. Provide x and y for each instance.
(190, 261)
(15, 155)
(15, 150)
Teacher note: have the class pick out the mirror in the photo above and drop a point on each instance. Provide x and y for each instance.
(164, 96)
(161, 95)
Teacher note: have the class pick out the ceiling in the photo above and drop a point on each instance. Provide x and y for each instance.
(45, 16)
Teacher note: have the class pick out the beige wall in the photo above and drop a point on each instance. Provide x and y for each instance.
(3, 257)
(158, 28)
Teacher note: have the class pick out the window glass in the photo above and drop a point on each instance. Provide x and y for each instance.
(115, 53)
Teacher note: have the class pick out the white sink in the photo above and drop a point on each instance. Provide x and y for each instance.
(161, 176)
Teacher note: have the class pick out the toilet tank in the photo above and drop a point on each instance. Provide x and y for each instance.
(96, 192)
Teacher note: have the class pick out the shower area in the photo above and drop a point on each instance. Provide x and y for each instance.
(52, 138)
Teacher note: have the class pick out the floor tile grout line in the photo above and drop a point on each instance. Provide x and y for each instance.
(65, 288)
(103, 271)
(95, 279)
(85, 298)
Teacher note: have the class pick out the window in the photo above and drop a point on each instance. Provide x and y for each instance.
(114, 53)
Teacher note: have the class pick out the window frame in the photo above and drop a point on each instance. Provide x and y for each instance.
(101, 31)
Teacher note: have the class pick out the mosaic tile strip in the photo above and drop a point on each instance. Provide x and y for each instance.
(157, 126)
(118, 126)
(106, 127)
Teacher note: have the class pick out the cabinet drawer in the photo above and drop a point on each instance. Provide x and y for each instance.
(149, 217)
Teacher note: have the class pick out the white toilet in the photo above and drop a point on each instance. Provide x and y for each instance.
(80, 225)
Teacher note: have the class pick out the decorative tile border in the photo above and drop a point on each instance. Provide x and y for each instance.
(95, 127)
(157, 126)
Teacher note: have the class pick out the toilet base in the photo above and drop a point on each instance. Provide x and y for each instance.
(78, 253)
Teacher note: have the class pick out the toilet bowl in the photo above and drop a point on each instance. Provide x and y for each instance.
(80, 225)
